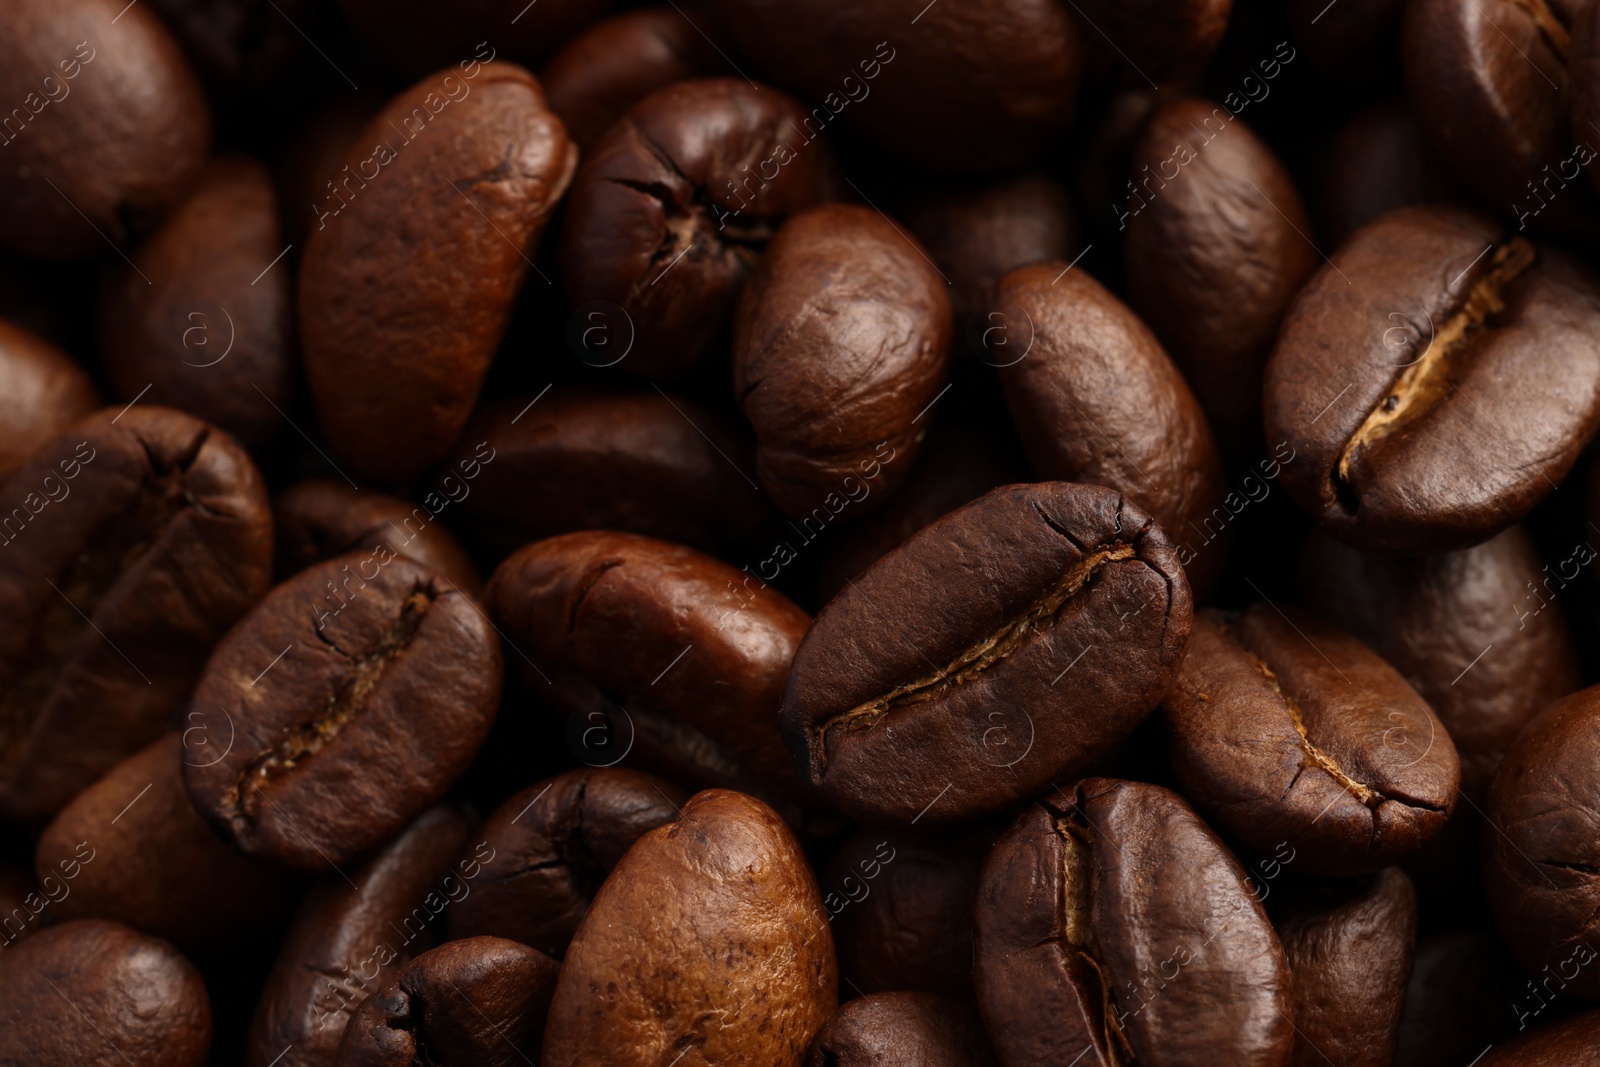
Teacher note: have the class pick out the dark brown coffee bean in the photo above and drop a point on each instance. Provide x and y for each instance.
(240, 47)
(141, 854)
(1283, 728)
(95, 993)
(1355, 43)
(1377, 163)
(650, 463)
(619, 61)
(480, 1001)
(108, 164)
(1572, 1043)
(1455, 1003)
(198, 319)
(840, 345)
(443, 197)
(554, 843)
(709, 936)
(1218, 245)
(1541, 863)
(1437, 379)
(1349, 947)
(966, 85)
(997, 651)
(1114, 928)
(323, 518)
(354, 694)
(1160, 40)
(131, 543)
(903, 1030)
(414, 37)
(42, 392)
(352, 936)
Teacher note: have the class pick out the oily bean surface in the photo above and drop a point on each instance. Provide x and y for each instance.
(42, 392)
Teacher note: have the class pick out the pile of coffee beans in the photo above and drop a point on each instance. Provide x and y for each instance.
(799, 533)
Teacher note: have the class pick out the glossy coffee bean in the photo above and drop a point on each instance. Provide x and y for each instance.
(1541, 850)
(709, 936)
(1114, 927)
(355, 694)
(198, 319)
(442, 197)
(1437, 379)
(1283, 728)
(132, 542)
(145, 146)
(323, 518)
(1573, 1042)
(1455, 1003)
(1377, 162)
(903, 1030)
(554, 843)
(413, 37)
(1349, 946)
(95, 993)
(42, 392)
(480, 1001)
(840, 343)
(997, 651)
(143, 856)
(1217, 246)
(352, 937)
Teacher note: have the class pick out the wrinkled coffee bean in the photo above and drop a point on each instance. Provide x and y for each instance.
(554, 845)
(1455, 1003)
(1573, 1043)
(42, 393)
(415, 260)
(480, 1002)
(351, 707)
(1114, 927)
(1377, 163)
(1436, 379)
(93, 993)
(903, 1030)
(709, 936)
(132, 542)
(997, 651)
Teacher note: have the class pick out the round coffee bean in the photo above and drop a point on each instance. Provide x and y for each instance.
(999, 650)
(354, 695)
(42, 392)
(903, 1030)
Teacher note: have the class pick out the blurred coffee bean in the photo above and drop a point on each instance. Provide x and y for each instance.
(1354, 41)
(1573, 1043)
(1376, 163)
(1456, 1004)
(903, 1030)
(1159, 39)
(42, 392)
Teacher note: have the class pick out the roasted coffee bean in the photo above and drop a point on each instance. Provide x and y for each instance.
(709, 936)
(1377, 163)
(132, 542)
(415, 260)
(108, 164)
(481, 1002)
(554, 844)
(1114, 928)
(1356, 42)
(1217, 247)
(240, 47)
(903, 1030)
(840, 345)
(619, 61)
(666, 648)
(1095, 399)
(1455, 1003)
(1169, 42)
(352, 937)
(1285, 729)
(1435, 616)
(1436, 379)
(42, 392)
(969, 85)
(323, 518)
(999, 650)
(1349, 947)
(354, 694)
(132, 848)
(193, 319)
(95, 993)
(1572, 1043)
(650, 463)
(413, 37)
(1542, 846)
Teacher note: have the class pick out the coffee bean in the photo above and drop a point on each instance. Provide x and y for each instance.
(442, 197)
(997, 651)
(132, 542)
(1356, 43)
(554, 844)
(1455, 1002)
(242, 47)
(903, 1030)
(95, 993)
(1164, 41)
(1573, 1043)
(1113, 927)
(708, 936)
(42, 393)
(355, 694)
(1376, 163)
(1437, 379)
(840, 345)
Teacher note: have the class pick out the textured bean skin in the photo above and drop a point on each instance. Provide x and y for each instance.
(42, 392)
(903, 1030)
(902, 705)
(714, 918)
